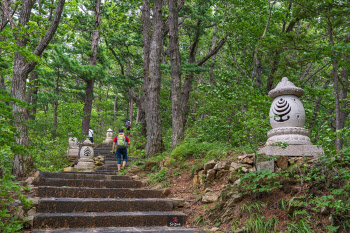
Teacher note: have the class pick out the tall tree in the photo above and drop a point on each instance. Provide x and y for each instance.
(154, 142)
(89, 91)
(175, 61)
(22, 67)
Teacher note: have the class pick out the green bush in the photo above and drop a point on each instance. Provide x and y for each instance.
(259, 183)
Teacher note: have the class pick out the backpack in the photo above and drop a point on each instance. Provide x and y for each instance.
(121, 142)
(127, 124)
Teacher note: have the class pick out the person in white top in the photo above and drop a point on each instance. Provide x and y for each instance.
(91, 134)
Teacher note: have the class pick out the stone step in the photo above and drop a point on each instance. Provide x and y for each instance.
(81, 175)
(74, 205)
(89, 183)
(107, 219)
(78, 192)
(121, 229)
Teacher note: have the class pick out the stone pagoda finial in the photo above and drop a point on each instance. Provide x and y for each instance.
(287, 119)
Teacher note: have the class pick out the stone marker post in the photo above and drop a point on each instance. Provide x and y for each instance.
(287, 119)
(109, 136)
(86, 162)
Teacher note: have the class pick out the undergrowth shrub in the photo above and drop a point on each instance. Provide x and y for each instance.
(257, 223)
(200, 150)
(259, 183)
(9, 188)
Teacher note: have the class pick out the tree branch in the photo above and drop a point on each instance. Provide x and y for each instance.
(52, 29)
(212, 52)
(7, 11)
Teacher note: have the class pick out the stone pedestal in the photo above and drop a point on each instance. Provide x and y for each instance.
(287, 119)
(73, 150)
(109, 136)
(86, 162)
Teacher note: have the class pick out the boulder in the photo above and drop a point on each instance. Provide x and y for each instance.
(187, 205)
(166, 192)
(222, 165)
(234, 199)
(196, 180)
(242, 157)
(210, 197)
(200, 176)
(35, 200)
(245, 170)
(248, 160)
(245, 165)
(99, 163)
(178, 202)
(267, 165)
(209, 165)
(282, 162)
(233, 167)
(211, 175)
(197, 170)
(221, 173)
(29, 180)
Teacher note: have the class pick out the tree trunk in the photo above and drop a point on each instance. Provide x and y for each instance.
(339, 121)
(32, 94)
(89, 91)
(213, 58)
(146, 33)
(270, 79)
(56, 106)
(131, 110)
(21, 69)
(154, 142)
(115, 106)
(187, 86)
(175, 61)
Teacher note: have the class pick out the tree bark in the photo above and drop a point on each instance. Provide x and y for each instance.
(21, 69)
(213, 58)
(146, 33)
(270, 79)
(57, 90)
(187, 86)
(89, 91)
(131, 110)
(154, 142)
(339, 124)
(175, 61)
(115, 106)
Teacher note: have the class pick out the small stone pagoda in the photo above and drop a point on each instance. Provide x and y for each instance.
(287, 119)
(109, 136)
(73, 150)
(86, 161)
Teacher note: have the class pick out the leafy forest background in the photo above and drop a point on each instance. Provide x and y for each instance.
(182, 71)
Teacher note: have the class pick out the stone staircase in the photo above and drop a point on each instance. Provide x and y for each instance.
(101, 201)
